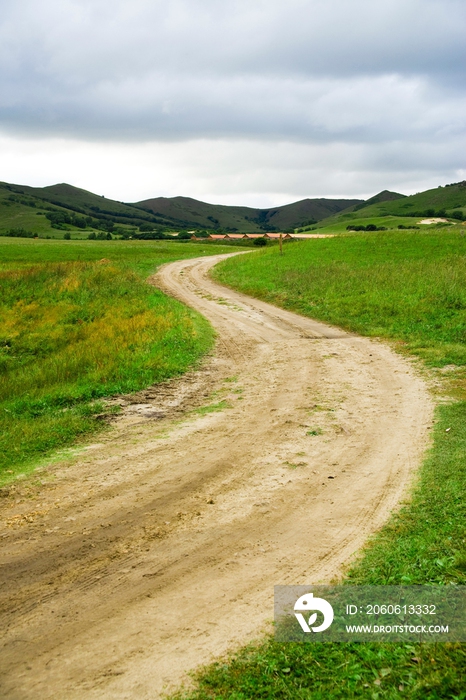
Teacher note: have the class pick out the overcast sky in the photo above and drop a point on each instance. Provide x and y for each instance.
(258, 102)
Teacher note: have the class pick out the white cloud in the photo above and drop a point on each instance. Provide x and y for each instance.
(224, 171)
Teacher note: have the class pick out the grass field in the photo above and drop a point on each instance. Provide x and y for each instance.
(411, 289)
(78, 323)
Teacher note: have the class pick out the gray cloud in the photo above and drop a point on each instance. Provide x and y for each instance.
(100, 39)
(364, 108)
(182, 69)
(386, 77)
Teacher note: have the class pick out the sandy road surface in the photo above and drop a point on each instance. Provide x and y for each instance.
(159, 547)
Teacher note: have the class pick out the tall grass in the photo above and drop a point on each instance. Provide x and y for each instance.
(141, 256)
(72, 333)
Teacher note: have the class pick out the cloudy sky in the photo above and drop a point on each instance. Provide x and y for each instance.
(258, 102)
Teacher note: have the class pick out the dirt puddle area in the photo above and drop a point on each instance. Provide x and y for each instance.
(157, 549)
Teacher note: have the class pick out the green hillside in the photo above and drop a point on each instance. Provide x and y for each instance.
(438, 202)
(299, 213)
(384, 196)
(444, 202)
(245, 219)
(31, 208)
(195, 214)
(350, 212)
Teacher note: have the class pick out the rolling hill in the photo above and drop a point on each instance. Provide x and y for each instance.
(21, 205)
(36, 208)
(49, 210)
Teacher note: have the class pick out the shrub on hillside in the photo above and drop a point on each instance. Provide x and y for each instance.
(20, 233)
(150, 236)
(62, 219)
(369, 227)
(146, 227)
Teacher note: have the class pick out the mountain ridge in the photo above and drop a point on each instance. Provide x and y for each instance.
(245, 219)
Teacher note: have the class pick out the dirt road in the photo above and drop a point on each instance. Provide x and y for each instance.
(158, 548)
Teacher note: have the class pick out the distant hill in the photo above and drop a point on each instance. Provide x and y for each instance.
(77, 200)
(439, 201)
(43, 210)
(384, 196)
(197, 214)
(391, 209)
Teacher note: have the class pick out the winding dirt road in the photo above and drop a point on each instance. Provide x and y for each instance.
(157, 549)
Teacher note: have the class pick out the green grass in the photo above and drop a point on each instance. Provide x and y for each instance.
(336, 671)
(78, 323)
(16, 215)
(409, 288)
(212, 408)
(141, 256)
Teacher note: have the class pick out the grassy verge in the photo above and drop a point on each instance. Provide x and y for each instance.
(76, 327)
(410, 288)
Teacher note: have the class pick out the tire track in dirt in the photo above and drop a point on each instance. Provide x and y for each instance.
(158, 548)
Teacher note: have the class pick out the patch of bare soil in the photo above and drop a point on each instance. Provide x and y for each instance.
(157, 549)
